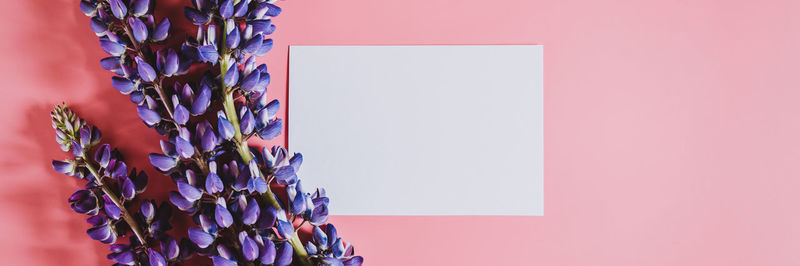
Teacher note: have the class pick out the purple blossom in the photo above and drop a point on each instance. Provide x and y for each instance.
(109, 187)
(221, 182)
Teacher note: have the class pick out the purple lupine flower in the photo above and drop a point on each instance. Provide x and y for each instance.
(237, 195)
(140, 7)
(110, 186)
(118, 8)
(140, 31)
(161, 31)
(200, 237)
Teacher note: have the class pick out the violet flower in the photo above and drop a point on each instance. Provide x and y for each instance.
(109, 196)
(222, 182)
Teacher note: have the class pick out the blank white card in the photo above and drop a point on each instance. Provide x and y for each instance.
(420, 130)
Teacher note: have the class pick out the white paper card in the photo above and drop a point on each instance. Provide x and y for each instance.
(420, 130)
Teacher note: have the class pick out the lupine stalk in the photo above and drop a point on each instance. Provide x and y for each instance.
(110, 192)
(222, 182)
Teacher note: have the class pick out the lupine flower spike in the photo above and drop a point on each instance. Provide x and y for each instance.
(110, 194)
(223, 183)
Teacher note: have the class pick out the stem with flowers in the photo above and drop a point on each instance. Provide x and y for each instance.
(244, 150)
(222, 183)
(109, 192)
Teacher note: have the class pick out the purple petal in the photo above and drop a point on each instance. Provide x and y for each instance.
(195, 16)
(137, 97)
(259, 184)
(181, 115)
(163, 162)
(226, 9)
(265, 47)
(225, 128)
(88, 9)
(222, 215)
(148, 210)
(103, 155)
(98, 26)
(296, 161)
(250, 81)
(285, 229)
(123, 258)
(207, 223)
(232, 75)
(123, 85)
(330, 231)
(267, 218)
(200, 237)
(77, 149)
(100, 233)
(272, 130)
(111, 209)
(285, 175)
(220, 261)
(267, 252)
(273, 10)
(120, 170)
(155, 258)
(168, 148)
(284, 254)
(249, 247)
(118, 8)
(246, 121)
(299, 204)
(63, 167)
(260, 26)
(241, 8)
(353, 261)
(331, 261)
(150, 117)
(319, 215)
(161, 31)
(311, 249)
(139, 7)
(112, 48)
(146, 72)
(252, 45)
(171, 64)
(138, 28)
(262, 119)
(214, 183)
(184, 147)
(189, 192)
(179, 201)
(170, 248)
(251, 212)
(128, 190)
(97, 220)
(232, 40)
(319, 237)
(110, 63)
(202, 101)
(208, 53)
(208, 140)
(263, 81)
(338, 248)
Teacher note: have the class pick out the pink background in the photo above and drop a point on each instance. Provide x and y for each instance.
(672, 133)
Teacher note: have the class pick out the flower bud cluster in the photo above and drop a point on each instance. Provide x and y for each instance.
(110, 196)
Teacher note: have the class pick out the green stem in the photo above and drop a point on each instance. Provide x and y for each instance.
(241, 144)
(107, 190)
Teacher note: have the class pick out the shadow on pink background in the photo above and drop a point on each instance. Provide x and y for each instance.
(671, 129)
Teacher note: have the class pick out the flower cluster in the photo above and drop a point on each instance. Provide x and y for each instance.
(222, 182)
(110, 193)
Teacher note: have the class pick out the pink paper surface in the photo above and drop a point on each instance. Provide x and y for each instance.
(671, 129)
